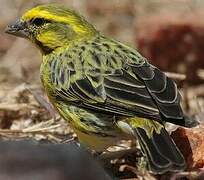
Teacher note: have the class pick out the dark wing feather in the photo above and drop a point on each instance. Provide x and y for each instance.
(121, 102)
(130, 92)
(163, 90)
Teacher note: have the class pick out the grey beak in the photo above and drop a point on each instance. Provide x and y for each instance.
(19, 28)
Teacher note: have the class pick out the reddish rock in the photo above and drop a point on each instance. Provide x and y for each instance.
(191, 144)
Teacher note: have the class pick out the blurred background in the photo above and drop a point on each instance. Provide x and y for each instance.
(170, 33)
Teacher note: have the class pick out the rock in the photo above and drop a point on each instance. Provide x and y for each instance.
(27, 160)
(191, 144)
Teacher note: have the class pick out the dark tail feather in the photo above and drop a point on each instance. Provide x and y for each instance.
(190, 122)
(160, 151)
(186, 121)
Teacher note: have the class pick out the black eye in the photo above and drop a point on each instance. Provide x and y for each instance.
(38, 21)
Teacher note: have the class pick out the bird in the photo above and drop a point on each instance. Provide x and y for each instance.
(106, 90)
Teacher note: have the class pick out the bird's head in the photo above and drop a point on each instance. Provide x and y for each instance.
(51, 26)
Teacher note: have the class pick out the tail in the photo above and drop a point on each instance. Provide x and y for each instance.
(185, 122)
(160, 151)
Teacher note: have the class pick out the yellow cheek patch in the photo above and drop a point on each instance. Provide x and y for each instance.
(48, 38)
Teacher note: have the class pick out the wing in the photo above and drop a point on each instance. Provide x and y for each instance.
(116, 79)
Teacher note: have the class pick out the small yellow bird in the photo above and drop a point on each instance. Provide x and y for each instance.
(106, 90)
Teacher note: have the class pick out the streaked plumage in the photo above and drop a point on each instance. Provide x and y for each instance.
(105, 89)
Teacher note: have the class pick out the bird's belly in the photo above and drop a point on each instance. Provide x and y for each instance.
(96, 142)
(93, 132)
